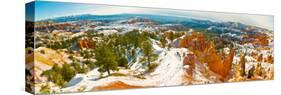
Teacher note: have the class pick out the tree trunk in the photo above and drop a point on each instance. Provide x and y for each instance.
(148, 60)
(108, 72)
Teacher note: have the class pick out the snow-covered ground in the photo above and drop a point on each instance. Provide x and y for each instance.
(169, 72)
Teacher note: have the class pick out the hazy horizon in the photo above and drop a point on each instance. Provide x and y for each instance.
(47, 10)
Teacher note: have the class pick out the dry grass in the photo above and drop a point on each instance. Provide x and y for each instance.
(49, 57)
(118, 74)
(43, 60)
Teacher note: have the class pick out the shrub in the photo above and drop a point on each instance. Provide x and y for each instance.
(152, 67)
(42, 51)
(118, 74)
(45, 89)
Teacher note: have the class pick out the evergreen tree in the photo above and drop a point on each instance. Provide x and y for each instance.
(148, 52)
(59, 75)
(87, 54)
(90, 64)
(67, 72)
(163, 41)
(106, 60)
(123, 62)
(59, 79)
(171, 36)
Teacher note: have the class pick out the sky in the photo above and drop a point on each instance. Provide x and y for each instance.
(45, 10)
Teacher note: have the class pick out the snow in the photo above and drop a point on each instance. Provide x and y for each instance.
(108, 32)
(78, 34)
(157, 48)
(136, 66)
(126, 27)
(169, 72)
(198, 74)
(77, 79)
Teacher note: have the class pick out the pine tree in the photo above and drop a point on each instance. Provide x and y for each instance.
(163, 41)
(59, 80)
(171, 36)
(87, 54)
(123, 62)
(148, 52)
(67, 72)
(106, 60)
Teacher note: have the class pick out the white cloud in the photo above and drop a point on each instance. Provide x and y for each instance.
(116, 10)
(263, 21)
